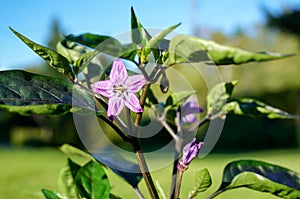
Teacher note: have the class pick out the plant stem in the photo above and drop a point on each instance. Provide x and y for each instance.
(138, 150)
(174, 175)
(216, 193)
(178, 184)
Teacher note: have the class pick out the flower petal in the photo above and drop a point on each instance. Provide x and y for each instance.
(104, 88)
(134, 83)
(115, 106)
(132, 102)
(118, 73)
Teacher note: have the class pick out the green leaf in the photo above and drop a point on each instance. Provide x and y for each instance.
(112, 196)
(254, 108)
(54, 59)
(218, 95)
(28, 93)
(66, 180)
(202, 182)
(92, 182)
(185, 48)
(139, 34)
(120, 166)
(152, 44)
(76, 154)
(70, 50)
(101, 43)
(51, 194)
(261, 176)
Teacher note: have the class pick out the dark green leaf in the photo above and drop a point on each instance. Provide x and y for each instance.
(101, 43)
(202, 182)
(54, 59)
(120, 166)
(51, 194)
(261, 176)
(254, 108)
(151, 99)
(218, 95)
(66, 180)
(139, 34)
(92, 182)
(185, 48)
(28, 93)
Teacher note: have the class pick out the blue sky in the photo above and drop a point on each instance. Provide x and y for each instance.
(33, 19)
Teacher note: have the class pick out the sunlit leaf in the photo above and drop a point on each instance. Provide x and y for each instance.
(92, 182)
(202, 182)
(254, 108)
(261, 176)
(76, 154)
(139, 34)
(54, 59)
(51, 194)
(66, 180)
(218, 95)
(191, 49)
(101, 43)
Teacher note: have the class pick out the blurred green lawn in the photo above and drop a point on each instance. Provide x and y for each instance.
(25, 171)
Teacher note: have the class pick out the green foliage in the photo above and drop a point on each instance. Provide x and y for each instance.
(255, 108)
(202, 182)
(92, 182)
(218, 96)
(139, 35)
(51, 194)
(28, 93)
(66, 180)
(54, 59)
(261, 176)
(183, 49)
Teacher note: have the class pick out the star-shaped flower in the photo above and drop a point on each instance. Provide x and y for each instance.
(120, 89)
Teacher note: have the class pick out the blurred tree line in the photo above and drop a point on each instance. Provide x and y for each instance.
(275, 82)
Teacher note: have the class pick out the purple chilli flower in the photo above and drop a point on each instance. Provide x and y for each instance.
(188, 111)
(120, 89)
(190, 151)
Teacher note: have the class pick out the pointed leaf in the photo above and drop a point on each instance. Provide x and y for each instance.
(185, 48)
(202, 182)
(139, 34)
(261, 176)
(54, 59)
(28, 93)
(152, 43)
(66, 180)
(218, 96)
(102, 43)
(51, 194)
(257, 182)
(92, 182)
(255, 108)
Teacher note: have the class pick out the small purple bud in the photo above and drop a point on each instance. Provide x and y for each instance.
(190, 151)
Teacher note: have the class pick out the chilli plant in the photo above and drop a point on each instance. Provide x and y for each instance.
(127, 87)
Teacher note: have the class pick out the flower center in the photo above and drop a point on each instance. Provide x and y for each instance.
(119, 89)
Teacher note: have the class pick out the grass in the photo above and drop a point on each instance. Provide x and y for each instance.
(25, 171)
